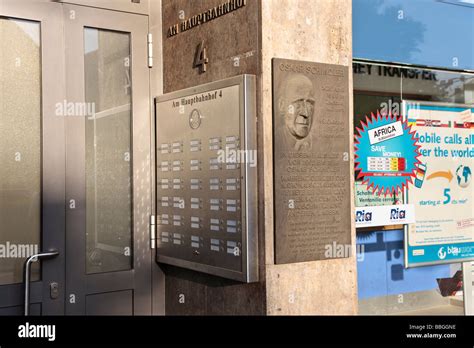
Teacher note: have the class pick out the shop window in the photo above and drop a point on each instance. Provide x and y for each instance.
(436, 33)
(385, 286)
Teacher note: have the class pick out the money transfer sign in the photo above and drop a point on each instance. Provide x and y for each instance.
(443, 191)
(384, 215)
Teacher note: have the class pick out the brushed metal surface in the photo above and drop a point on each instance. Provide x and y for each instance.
(206, 202)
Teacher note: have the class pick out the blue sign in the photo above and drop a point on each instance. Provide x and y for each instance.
(386, 153)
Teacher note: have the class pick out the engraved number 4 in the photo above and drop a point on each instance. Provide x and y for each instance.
(200, 59)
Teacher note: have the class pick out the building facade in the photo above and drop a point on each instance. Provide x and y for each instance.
(93, 177)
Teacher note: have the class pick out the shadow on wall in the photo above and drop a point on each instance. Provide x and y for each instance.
(382, 272)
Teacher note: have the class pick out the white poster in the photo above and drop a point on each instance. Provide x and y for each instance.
(384, 215)
(443, 191)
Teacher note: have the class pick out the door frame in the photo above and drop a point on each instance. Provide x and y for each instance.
(139, 278)
(52, 155)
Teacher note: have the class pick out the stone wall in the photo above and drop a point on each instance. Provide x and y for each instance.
(318, 31)
(245, 41)
(233, 48)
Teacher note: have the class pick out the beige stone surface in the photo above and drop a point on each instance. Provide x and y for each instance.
(311, 30)
(321, 287)
(319, 31)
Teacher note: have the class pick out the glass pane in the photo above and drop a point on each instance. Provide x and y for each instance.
(444, 87)
(108, 151)
(425, 32)
(20, 147)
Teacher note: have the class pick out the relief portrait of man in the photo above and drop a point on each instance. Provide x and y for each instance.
(296, 104)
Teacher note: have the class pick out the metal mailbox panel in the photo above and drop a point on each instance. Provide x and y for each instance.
(206, 206)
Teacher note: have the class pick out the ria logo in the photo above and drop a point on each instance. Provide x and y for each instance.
(397, 214)
(362, 216)
(442, 253)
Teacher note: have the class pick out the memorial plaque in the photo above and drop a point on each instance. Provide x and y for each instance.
(311, 161)
(206, 178)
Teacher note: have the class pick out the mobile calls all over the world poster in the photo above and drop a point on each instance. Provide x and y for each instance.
(443, 191)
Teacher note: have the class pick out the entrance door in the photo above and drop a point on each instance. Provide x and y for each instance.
(74, 159)
(32, 155)
(108, 186)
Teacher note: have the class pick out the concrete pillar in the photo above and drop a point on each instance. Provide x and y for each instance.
(316, 31)
(310, 30)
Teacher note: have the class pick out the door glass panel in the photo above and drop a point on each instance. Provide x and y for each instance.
(20, 147)
(108, 150)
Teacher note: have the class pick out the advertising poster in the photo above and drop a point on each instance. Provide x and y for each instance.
(386, 159)
(372, 210)
(443, 190)
(366, 198)
(384, 215)
(386, 154)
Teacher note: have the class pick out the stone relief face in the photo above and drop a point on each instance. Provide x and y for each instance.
(298, 103)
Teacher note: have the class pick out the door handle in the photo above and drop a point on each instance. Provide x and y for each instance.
(26, 274)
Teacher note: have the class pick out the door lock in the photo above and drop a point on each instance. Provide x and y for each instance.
(54, 290)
